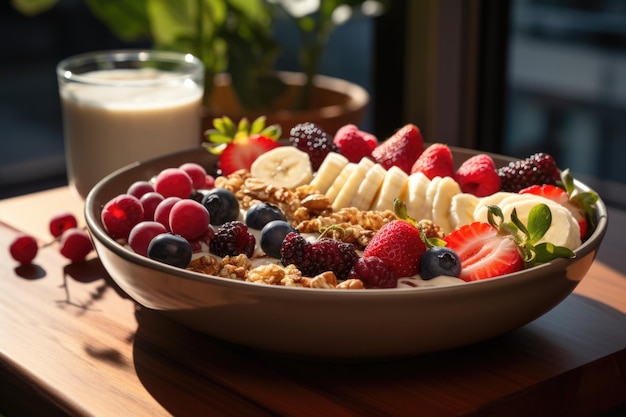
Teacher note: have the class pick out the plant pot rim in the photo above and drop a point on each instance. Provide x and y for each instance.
(352, 100)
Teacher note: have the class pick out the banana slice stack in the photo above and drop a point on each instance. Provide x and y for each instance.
(366, 185)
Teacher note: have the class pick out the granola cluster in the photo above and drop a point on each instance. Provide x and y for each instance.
(240, 268)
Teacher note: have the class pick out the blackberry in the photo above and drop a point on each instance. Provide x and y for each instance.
(232, 239)
(333, 255)
(315, 258)
(539, 168)
(374, 272)
(312, 139)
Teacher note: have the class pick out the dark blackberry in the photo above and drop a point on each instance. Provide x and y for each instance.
(320, 256)
(312, 139)
(374, 272)
(333, 255)
(294, 251)
(539, 168)
(232, 239)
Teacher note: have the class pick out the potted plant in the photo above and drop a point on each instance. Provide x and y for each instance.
(234, 40)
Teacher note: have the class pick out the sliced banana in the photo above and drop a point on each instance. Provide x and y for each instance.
(462, 209)
(369, 187)
(431, 190)
(393, 187)
(341, 179)
(482, 207)
(564, 229)
(447, 188)
(328, 171)
(416, 195)
(351, 186)
(285, 166)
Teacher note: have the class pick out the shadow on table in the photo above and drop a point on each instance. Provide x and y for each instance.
(188, 372)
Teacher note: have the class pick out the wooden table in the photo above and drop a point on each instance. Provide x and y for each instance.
(71, 343)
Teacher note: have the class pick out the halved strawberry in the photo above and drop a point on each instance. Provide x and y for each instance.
(484, 252)
(559, 195)
(240, 154)
(238, 145)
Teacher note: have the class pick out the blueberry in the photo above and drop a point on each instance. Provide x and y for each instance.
(170, 249)
(222, 205)
(272, 236)
(440, 260)
(262, 213)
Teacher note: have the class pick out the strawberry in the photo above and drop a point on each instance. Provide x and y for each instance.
(238, 145)
(399, 244)
(401, 149)
(483, 251)
(353, 143)
(435, 161)
(559, 195)
(242, 153)
(478, 176)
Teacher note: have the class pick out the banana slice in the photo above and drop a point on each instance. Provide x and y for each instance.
(369, 187)
(341, 179)
(328, 171)
(482, 207)
(431, 190)
(462, 209)
(415, 197)
(564, 229)
(285, 166)
(442, 202)
(351, 186)
(393, 187)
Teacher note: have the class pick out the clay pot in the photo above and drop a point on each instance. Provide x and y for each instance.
(336, 102)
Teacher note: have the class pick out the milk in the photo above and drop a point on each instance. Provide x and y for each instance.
(108, 126)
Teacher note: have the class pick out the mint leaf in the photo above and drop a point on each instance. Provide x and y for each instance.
(539, 221)
(546, 252)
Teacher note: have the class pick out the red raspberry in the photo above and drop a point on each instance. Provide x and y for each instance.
(24, 249)
(232, 239)
(353, 143)
(75, 244)
(435, 161)
(478, 176)
(374, 272)
(61, 222)
(121, 214)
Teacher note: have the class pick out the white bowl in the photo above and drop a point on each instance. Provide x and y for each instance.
(333, 324)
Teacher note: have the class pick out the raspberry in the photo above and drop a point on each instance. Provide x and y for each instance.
(75, 244)
(196, 172)
(121, 214)
(189, 219)
(232, 239)
(353, 143)
(149, 201)
(539, 168)
(139, 188)
(24, 249)
(314, 258)
(312, 139)
(374, 272)
(142, 234)
(61, 222)
(173, 182)
(478, 176)
(435, 161)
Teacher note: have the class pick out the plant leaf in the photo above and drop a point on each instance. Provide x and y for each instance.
(539, 221)
(546, 252)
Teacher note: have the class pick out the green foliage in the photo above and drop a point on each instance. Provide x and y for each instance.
(233, 36)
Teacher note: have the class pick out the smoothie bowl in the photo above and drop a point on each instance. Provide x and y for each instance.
(334, 323)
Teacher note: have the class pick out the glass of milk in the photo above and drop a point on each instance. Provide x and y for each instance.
(121, 107)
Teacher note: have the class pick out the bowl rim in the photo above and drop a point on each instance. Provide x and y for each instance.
(92, 216)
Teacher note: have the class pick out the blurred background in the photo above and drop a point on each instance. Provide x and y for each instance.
(513, 77)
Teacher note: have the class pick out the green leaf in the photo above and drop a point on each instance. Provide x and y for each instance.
(33, 7)
(257, 125)
(215, 136)
(539, 221)
(272, 131)
(225, 125)
(215, 149)
(546, 252)
(127, 19)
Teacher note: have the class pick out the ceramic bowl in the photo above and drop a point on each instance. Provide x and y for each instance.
(333, 324)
